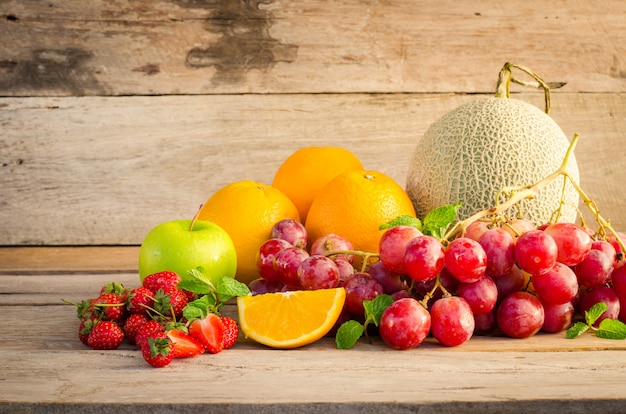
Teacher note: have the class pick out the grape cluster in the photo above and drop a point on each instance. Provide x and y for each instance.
(509, 277)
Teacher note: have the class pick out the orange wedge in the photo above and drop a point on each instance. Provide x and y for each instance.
(290, 319)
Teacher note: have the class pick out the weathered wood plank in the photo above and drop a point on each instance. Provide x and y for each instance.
(182, 47)
(44, 363)
(46, 369)
(99, 171)
(53, 260)
(61, 335)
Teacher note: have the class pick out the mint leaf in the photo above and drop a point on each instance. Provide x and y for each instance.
(348, 334)
(199, 308)
(592, 315)
(197, 282)
(402, 221)
(611, 329)
(437, 221)
(229, 288)
(374, 308)
(576, 330)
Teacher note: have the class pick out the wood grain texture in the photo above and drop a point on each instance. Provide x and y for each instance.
(104, 170)
(45, 367)
(60, 48)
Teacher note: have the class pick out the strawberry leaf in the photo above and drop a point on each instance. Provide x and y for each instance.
(348, 334)
(611, 329)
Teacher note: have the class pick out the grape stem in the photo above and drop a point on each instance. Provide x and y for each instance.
(516, 194)
(365, 255)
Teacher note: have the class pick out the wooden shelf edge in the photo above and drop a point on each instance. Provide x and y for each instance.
(68, 259)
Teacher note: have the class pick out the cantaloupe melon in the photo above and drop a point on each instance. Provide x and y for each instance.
(475, 150)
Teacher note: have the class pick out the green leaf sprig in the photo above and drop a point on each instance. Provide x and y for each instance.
(211, 297)
(607, 329)
(435, 224)
(351, 331)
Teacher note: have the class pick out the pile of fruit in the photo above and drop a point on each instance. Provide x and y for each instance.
(333, 249)
(162, 319)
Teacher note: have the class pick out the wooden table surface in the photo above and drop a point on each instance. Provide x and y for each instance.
(45, 368)
(116, 116)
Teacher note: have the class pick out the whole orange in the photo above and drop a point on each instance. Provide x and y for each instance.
(305, 172)
(247, 210)
(354, 204)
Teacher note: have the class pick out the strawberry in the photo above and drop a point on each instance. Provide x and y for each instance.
(87, 309)
(112, 307)
(165, 280)
(146, 330)
(105, 335)
(116, 288)
(190, 295)
(171, 303)
(231, 331)
(184, 345)
(132, 325)
(85, 328)
(209, 331)
(157, 350)
(140, 300)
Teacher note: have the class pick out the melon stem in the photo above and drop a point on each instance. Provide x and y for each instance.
(503, 87)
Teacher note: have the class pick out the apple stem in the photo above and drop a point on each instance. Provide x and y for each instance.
(195, 218)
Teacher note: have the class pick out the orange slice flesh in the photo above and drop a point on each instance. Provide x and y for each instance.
(290, 319)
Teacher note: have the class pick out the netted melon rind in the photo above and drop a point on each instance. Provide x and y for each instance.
(475, 150)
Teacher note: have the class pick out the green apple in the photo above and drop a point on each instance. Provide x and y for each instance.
(179, 246)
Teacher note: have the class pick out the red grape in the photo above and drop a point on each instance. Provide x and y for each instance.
(613, 240)
(449, 283)
(486, 323)
(618, 282)
(557, 317)
(499, 246)
(260, 286)
(465, 259)
(572, 241)
(594, 270)
(404, 324)
(332, 243)
(292, 231)
(345, 269)
(392, 244)
(520, 315)
(452, 321)
(536, 252)
(512, 282)
(360, 287)
(391, 282)
(557, 286)
(602, 294)
(519, 226)
(476, 229)
(423, 258)
(265, 258)
(607, 248)
(318, 272)
(481, 295)
(286, 264)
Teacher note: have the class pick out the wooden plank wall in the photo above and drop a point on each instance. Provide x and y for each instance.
(117, 115)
